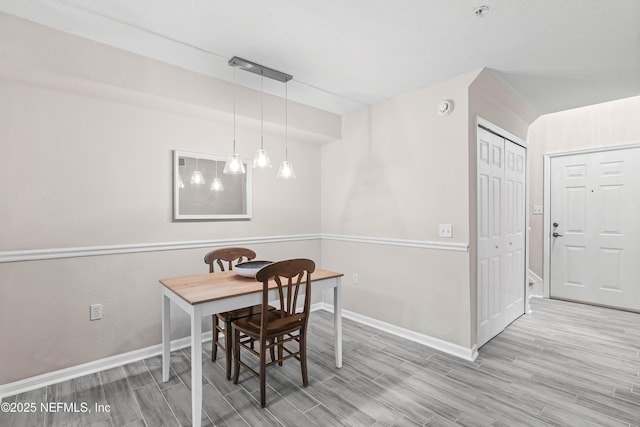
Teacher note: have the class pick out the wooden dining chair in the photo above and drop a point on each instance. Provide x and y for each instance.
(226, 258)
(274, 329)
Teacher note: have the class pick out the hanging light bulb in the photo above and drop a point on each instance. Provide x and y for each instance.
(234, 164)
(216, 184)
(286, 168)
(196, 177)
(261, 159)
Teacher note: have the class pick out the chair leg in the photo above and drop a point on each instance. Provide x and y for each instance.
(263, 374)
(303, 358)
(228, 346)
(214, 342)
(280, 352)
(272, 349)
(236, 355)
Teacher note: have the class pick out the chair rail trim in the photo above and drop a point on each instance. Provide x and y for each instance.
(424, 244)
(53, 253)
(75, 252)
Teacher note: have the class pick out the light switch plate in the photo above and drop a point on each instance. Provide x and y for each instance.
(445, 230)
(537, 210)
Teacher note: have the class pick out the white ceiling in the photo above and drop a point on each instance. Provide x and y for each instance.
(345, 54)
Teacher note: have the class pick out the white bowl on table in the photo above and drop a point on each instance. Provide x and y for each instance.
(250, 268)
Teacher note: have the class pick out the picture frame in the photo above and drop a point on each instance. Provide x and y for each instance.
(194, 198)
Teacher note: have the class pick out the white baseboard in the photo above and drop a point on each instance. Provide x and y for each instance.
(66, 374)
(469, 354)
(61, 375)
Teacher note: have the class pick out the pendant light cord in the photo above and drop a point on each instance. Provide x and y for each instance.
(286, 118)
(262, 111)
(234, 110)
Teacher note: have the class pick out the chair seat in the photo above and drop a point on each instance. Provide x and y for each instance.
(278, 322)
(241, 313)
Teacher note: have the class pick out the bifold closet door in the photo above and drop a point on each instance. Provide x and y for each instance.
(501, 233)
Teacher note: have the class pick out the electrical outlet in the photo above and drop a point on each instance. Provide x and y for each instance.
(445, 230)
(356, 279)
(537, 210)
(95, 312)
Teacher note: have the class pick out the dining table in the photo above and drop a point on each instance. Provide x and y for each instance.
(206, 294)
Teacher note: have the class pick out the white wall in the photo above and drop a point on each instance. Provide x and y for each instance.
(86, 139)
(398, 172)
(608, 124)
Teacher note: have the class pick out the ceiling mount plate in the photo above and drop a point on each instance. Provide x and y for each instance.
(261, 70)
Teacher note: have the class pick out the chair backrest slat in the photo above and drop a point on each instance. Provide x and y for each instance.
(296, 272)
(294, 304)
(278, 280)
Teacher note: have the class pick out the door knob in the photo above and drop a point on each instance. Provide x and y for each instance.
(556, 234)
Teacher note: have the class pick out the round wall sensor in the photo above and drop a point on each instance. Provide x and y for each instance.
(445, 107)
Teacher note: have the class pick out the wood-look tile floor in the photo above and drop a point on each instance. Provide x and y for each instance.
(564, 365)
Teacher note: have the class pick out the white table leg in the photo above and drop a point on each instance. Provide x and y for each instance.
(196, 366)
(337, 321)
(166, 336)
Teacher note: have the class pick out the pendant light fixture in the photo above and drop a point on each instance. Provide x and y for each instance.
(286, 168)
(234, 164)
(196, 176)
(261, 159)
(216, 184)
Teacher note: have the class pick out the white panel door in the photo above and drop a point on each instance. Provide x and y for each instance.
(501, 234)
(595, 242)
(491, 211)
(514, 244)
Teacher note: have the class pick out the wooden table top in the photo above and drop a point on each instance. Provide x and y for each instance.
(207, 287)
